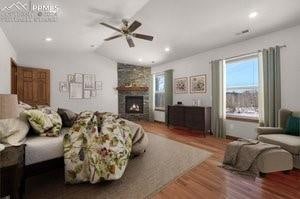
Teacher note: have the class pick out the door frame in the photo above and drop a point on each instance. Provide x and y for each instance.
(13, 76)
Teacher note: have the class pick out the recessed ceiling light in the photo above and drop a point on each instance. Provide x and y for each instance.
(167, 49)
(48, 39)
(140, 60)
(253, 15)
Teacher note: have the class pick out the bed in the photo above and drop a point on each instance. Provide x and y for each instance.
(47, 153)
(39, 149)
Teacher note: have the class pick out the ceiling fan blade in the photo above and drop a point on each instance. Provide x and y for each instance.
(109, 26)
(141, 36)
(113, 37)
(135, 25)
(130, 41)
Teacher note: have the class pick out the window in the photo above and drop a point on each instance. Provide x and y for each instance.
(160, 92)
(242, 79)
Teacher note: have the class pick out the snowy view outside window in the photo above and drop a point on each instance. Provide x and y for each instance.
(242, 88)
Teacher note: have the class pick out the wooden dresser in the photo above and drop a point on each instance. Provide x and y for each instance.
(191, 117)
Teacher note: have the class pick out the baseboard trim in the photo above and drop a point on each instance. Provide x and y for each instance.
(160, 122)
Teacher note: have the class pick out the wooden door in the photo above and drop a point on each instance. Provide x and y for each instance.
(41, 87)
(33, 86)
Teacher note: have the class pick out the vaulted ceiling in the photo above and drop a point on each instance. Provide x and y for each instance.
(187, 27)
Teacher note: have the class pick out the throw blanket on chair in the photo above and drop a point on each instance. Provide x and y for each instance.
(241, 155)
(97, 148)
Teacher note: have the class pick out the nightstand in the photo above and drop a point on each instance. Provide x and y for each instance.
(11, 171)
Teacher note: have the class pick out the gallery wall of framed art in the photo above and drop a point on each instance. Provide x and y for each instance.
(81, 86)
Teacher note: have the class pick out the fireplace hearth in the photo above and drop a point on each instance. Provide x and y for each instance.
(134, 104)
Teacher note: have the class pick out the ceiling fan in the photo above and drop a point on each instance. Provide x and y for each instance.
(128, 31)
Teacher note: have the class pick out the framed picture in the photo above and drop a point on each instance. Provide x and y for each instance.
(86, 94)
(78, 78)
(98, 85)
(198, 84)
(93, 93)
(76, 91)
(63, 86)
(181, 85)
(89, 82)
(71, 78)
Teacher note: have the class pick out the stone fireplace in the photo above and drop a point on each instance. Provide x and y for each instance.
(134, 97)
(134, 104)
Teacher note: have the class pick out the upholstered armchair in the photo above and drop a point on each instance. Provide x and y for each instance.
(282, 117)
(277, 136)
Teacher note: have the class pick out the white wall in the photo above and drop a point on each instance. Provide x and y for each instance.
(290, 72)
(159, 116)
(6, 52)
(62, 64)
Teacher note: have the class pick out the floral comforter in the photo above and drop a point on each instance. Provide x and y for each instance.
(97, 148)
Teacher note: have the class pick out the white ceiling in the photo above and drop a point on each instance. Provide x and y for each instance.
(77, 27)
(186, 26)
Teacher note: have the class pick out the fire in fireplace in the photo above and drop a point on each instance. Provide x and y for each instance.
(134, 104)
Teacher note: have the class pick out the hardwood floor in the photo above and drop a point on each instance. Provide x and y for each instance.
(207, 180)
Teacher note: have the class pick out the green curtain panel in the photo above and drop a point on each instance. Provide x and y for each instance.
(271, 86)
(218, 109)
(151, 92)
(168, 90)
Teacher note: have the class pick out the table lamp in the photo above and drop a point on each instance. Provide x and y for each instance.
(8, 109)
(8, 106)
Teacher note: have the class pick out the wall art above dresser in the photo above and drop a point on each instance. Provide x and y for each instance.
(197, 84)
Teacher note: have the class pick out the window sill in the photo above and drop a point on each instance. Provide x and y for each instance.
(242, 119)
(160, 110)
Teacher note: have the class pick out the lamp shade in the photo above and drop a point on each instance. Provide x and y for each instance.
(8, 106)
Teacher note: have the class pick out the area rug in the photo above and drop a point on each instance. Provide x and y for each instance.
(164, 161)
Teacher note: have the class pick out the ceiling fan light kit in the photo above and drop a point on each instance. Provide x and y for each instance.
(128, 32)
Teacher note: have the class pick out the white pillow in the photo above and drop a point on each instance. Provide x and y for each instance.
(13, 131)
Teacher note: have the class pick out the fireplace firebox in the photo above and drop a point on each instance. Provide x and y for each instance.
(134, 104)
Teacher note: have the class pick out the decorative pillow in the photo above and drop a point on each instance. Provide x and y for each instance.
(13, 131)
(293, 126)
(55, 119)
(24, 106)
(39, 121)
(21, 108)
(68, 117)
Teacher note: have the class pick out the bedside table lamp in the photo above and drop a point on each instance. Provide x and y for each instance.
(8, 108)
